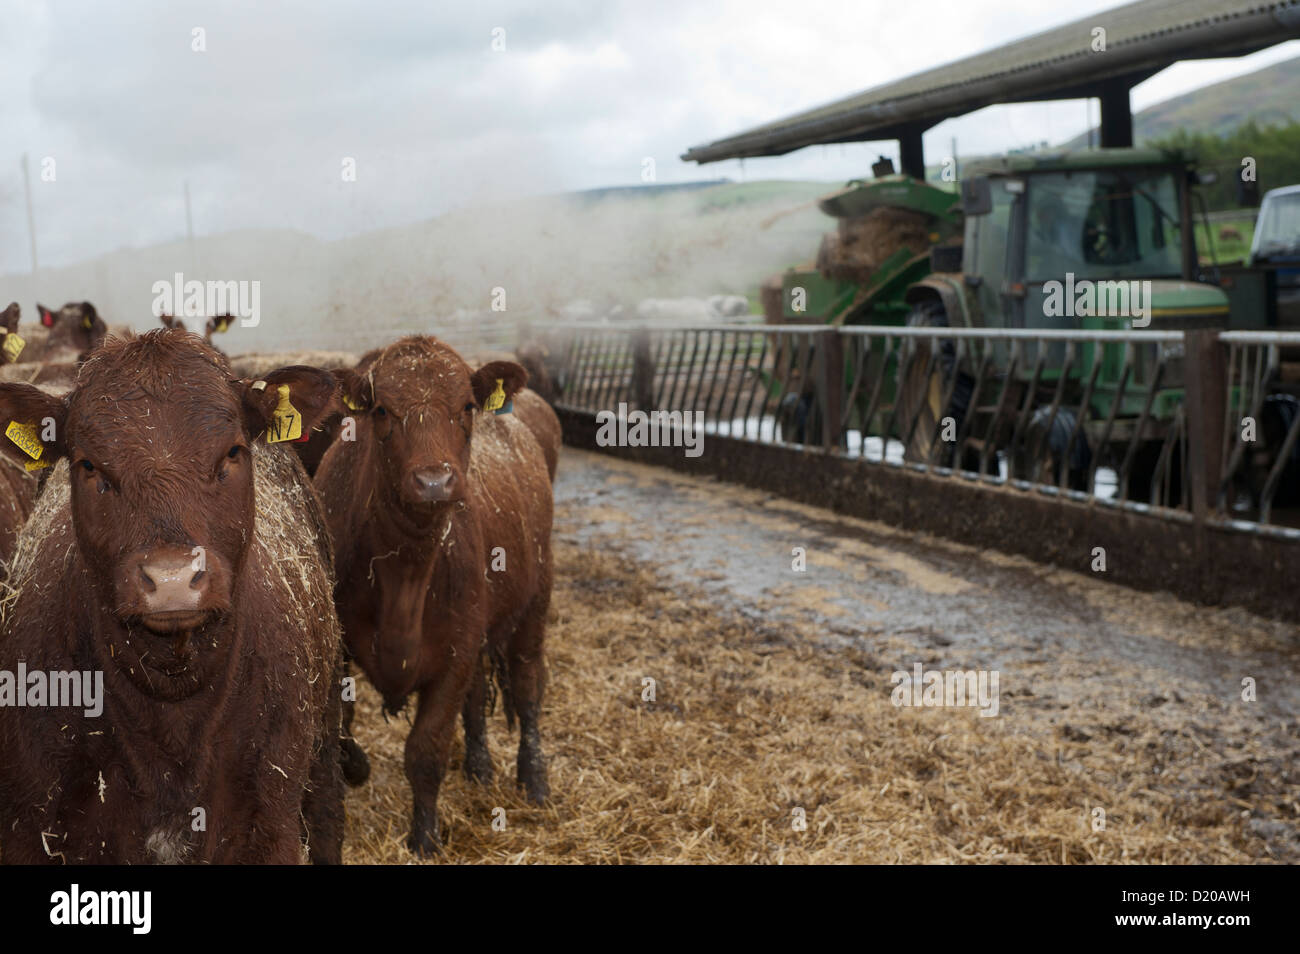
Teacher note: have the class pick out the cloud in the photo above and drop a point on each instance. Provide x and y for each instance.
(259, 122)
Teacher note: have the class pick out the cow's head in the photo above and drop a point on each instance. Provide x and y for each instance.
(158, 441)
(217, 325)
(76, 326)
(415, 403)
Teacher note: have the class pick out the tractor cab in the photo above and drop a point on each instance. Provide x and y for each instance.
(1080, 240)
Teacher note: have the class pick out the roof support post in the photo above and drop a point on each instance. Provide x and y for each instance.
(1116, 114)
(910, 154)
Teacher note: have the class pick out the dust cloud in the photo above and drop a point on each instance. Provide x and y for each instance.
(556, 257)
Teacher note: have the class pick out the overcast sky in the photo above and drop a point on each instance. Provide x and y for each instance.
(260, 122)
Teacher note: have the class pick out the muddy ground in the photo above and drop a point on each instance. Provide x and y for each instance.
(1121, 733)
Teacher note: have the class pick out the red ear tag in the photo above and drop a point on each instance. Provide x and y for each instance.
(304, 439)
(47, 318)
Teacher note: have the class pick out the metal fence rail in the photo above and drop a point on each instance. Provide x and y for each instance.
(1185, 425)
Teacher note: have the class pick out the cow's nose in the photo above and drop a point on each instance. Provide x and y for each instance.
(170, 584)
(432, 486)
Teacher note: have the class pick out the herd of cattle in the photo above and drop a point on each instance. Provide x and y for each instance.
(222, 548)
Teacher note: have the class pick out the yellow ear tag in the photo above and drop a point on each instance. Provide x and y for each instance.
(350, 404)
(87, 323)
(24, 435)
(286, 422)
(222, 325)
(13, 346)
(497, 398)
(36, 465)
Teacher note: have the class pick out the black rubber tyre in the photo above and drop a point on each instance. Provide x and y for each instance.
(1050, 447)
(1143, 471)
(1275, 420)
(919, 396)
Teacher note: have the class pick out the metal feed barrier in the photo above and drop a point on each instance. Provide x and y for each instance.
(1195, 425)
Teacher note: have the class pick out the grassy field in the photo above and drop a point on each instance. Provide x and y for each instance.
(1226, 249)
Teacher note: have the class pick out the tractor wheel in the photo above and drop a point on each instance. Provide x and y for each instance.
(1050, 447)
(920, 396)
(1275, 419)
(1143, 472)
(800, 417)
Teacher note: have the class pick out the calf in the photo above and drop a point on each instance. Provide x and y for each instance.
(539, 418)
(217, 325)
(74, 331)
(441, 516)
(184, 561)
(18, 488)
(12, 345)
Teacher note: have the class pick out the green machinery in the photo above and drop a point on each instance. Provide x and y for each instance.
(1091, 239)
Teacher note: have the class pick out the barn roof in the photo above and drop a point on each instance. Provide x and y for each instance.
(1141, 39)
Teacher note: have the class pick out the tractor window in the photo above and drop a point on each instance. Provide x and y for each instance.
(1103, 224)
(990, 243)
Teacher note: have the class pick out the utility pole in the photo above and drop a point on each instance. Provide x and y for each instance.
(956, 169)
(31, 216)
(189, 230)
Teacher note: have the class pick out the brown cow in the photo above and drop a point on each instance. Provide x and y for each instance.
(18, 484)
(539, 418)
(18, 487)
(74, 331)
(529, 407)
(184, 561)
(441, 541)
(217, 325)
(11, 347)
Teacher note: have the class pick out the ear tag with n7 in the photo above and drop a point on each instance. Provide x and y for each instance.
(496, 402)
(13, 346)
(25, 436)
(286, 422)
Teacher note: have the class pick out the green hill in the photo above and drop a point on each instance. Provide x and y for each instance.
(1269, 96)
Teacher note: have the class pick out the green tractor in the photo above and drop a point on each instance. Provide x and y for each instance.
(886, 229)
(1075, 240)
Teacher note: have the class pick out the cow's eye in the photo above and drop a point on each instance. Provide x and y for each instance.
(380, 411)
(87, 466)
(233, 452)
(469, 408)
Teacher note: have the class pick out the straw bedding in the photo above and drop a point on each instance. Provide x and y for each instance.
(749, 725)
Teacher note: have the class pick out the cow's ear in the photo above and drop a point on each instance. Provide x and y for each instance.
(354, 390)
(288, 403)
(506, 375)
(33, 424)
(9, 317)
(47, 316)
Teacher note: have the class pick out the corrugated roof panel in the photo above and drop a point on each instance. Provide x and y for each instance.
(1141, 38)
